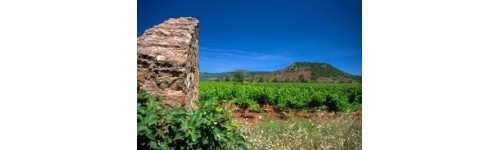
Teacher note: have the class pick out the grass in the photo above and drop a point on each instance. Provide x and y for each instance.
(339, 133)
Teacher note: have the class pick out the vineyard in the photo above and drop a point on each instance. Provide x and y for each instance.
(215, 127)
(282, 96)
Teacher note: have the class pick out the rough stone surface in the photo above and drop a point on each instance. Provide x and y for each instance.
(167, 62)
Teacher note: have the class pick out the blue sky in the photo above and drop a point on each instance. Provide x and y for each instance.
(266, 35)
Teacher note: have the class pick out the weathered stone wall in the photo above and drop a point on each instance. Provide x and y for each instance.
(167, 62)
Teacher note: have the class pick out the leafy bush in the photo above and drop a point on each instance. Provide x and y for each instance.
(245, 103)
(210, 127)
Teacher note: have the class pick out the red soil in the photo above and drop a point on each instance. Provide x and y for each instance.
(251, 118)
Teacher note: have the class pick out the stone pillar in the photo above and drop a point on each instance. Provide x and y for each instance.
(167, 62)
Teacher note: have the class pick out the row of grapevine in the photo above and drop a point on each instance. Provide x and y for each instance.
(333, 96)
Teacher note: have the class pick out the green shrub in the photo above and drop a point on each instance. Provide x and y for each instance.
(245, 103)
(210, 127)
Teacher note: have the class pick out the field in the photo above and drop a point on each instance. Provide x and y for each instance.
(283, 96)
(235, 115)
(342, 132)
(289, 115)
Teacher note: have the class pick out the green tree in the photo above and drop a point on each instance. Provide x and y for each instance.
(302, 79)
(239, 76)
(227, 78)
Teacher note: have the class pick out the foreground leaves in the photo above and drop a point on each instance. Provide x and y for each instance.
(211, 127)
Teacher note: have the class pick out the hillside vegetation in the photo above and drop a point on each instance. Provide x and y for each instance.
(296, 72)
(308, 71)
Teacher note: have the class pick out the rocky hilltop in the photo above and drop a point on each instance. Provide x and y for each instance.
(309, 71)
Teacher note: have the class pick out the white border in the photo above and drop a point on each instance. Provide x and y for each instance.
(430, 74)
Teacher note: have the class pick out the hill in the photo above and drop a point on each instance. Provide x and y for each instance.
(296, 72)
(206, 76)
(309, 71)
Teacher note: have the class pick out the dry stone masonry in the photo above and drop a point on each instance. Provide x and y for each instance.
(167, 62)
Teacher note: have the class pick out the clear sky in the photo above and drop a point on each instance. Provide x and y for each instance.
(266, 35)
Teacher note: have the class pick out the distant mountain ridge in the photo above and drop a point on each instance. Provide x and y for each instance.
(296, 72)
(207, 76)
